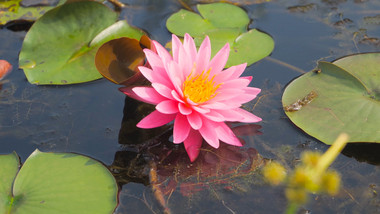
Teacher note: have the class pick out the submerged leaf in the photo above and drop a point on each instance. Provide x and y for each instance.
(347, 99)
(118, 59)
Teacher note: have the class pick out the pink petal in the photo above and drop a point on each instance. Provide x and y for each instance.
(230, 115)
(190, 47)
(194, 120)
(208, 133)
(232, 72)
(200, 109)
(153, 59)
(145, 94)
(183, 109)
(155, 119)
(181, 129)
(236, 83)
(226, 135)
(219, 61)
(146, 72)
(203, 57)
(176, 96)
(193, 144)
(184, 63)
(214, 116)
(248, 117)
(226, 94)
(167, 107)
(176, 46)
(162, 52)
(220, 105)
(163, 90)
(160, 76)
(252, 90)
(249, 78)
(245, 97)
(176, 76)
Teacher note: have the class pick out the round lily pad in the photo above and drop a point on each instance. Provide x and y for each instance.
(343, 96)
(223, 23)
(56, 49)
(56, 183)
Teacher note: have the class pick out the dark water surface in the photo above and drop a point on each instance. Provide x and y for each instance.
(88, 118)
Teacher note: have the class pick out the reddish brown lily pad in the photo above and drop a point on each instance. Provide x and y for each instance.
(118, 59)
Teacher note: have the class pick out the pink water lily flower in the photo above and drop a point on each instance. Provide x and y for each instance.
(195, 92)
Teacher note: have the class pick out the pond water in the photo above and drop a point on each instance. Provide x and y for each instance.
(97, 120)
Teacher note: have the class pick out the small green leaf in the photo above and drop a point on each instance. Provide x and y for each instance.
(223, 23)
(223, 15)
(250, 47)
(347, 99)
(185, 21)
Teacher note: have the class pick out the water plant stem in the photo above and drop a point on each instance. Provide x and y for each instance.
(292, 208)
(277, 61)
(330, 155)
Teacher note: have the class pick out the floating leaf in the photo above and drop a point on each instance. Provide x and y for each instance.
(346, 99)
(117, 30)
(13, 11)
(60, 47)
(56, 183)
(9, 168)
(223, 23)
(118, 59)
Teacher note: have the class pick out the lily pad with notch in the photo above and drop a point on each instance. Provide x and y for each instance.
(56, 183)
(346, 99)
(60, 47)
(223, 23)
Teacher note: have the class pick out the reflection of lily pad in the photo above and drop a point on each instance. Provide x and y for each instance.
(56, 183)
(346, 99)
(59, 48)
(12, 11)
(223, 23)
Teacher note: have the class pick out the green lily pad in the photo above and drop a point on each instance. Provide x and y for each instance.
(9, 168)
(60, 47)
(343, 96)
(56, 183)
(223, 23)
(13, 11)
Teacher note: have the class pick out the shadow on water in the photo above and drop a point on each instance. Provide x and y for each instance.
(363, 152)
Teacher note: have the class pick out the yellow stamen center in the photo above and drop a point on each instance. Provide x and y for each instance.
(200, 88)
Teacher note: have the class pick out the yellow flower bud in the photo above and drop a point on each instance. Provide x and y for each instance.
(274, 173)
(331, 182)
(310, 159)
(296, 195)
